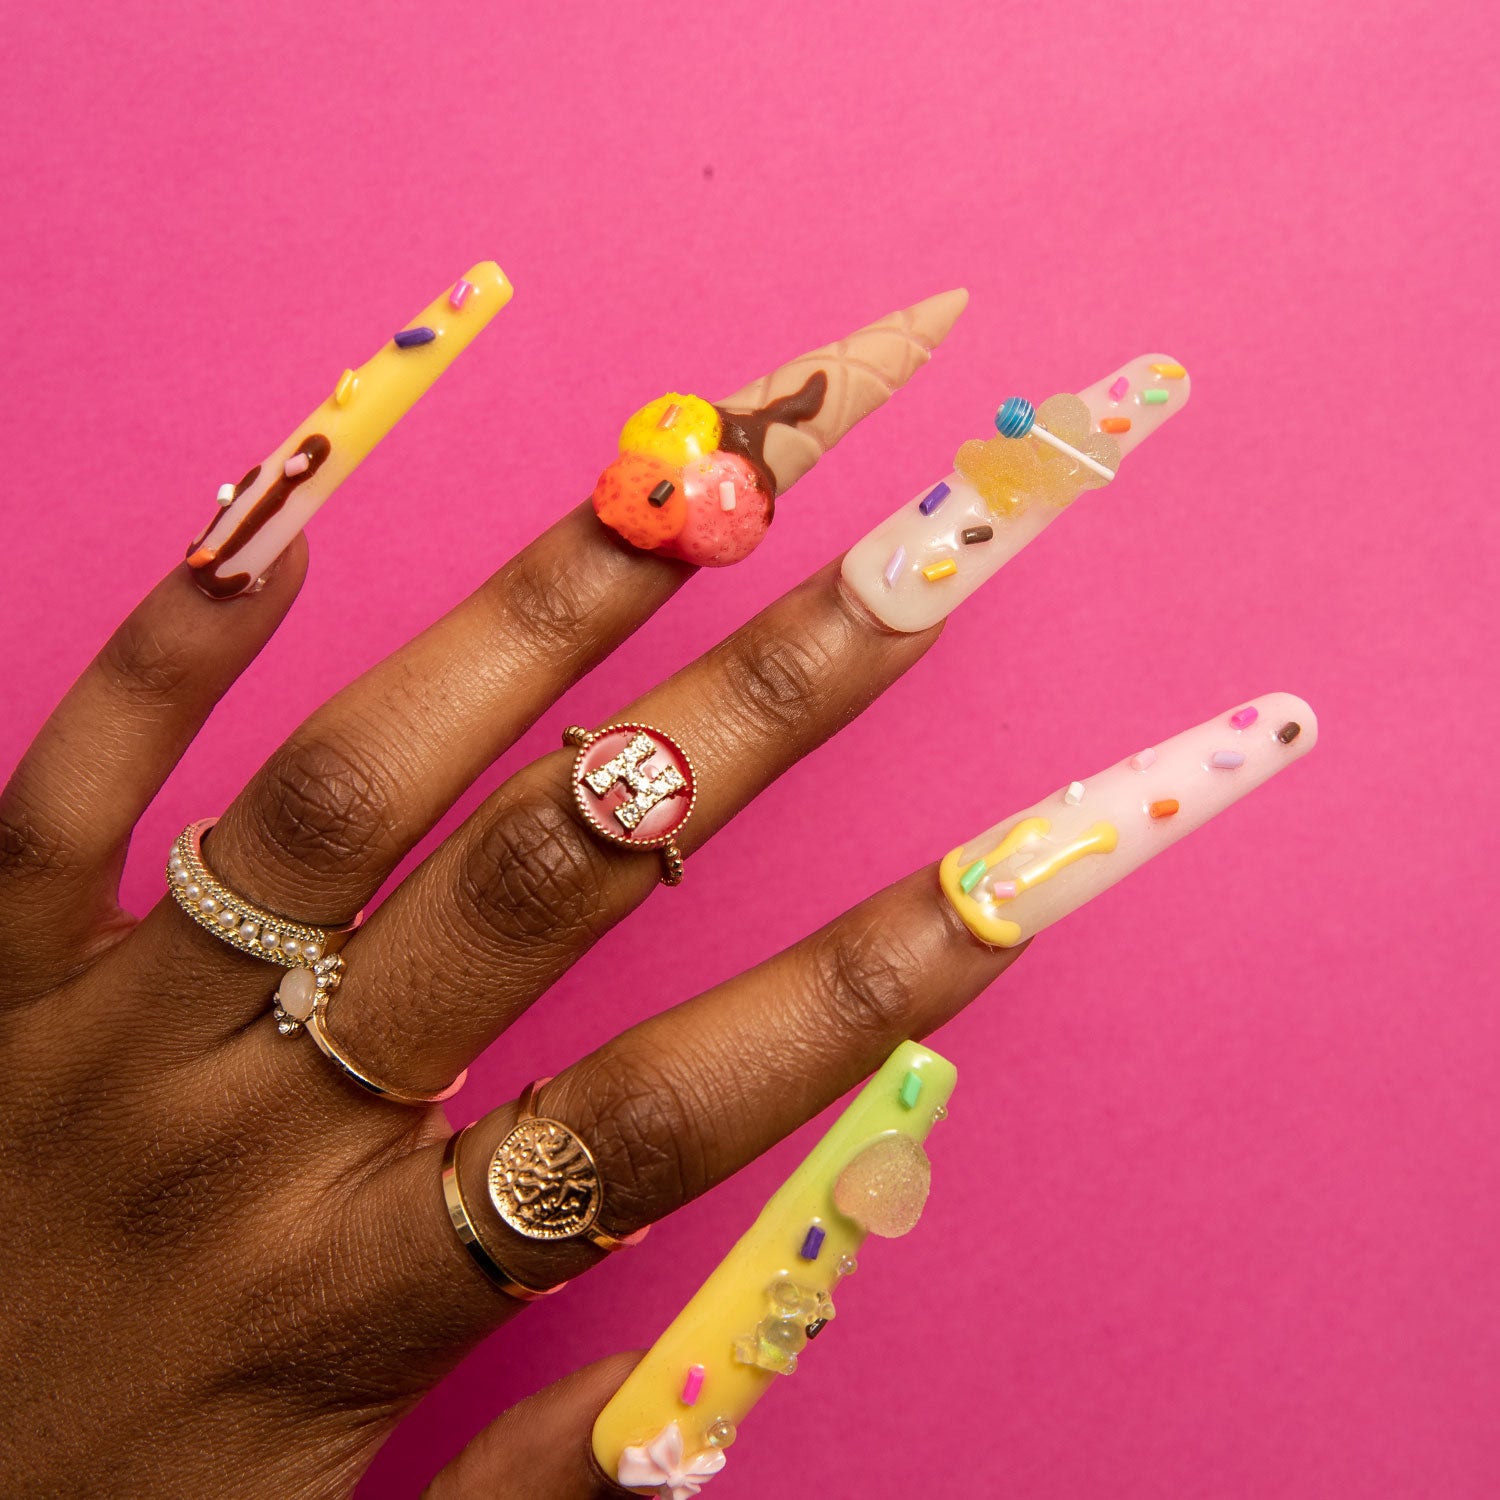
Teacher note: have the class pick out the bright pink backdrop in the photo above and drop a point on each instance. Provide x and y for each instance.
(1216, 1214)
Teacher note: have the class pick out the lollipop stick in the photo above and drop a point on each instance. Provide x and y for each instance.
(1038, 430)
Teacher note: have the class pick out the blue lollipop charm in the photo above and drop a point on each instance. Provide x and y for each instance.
(1017, 417)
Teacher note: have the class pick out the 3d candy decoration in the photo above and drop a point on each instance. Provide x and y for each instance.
(1037, 866)
(921, 563)
(699, 481)
(665, 1430)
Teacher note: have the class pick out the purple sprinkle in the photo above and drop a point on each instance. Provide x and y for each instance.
(935, 497)
(1119, 390)
(409, 338)
(813, 1243)
(1244, 718)
(894, 566)
(1227, 760)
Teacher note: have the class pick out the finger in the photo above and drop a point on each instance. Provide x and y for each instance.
(539, 1448)
(334, 810)
(507, 904)
(68, 812)
(682, 1100)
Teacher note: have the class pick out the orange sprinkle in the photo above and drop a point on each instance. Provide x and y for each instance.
(1165, 808)
(669, 416)
(1115, 424)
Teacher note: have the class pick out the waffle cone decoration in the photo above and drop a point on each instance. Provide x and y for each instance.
(699, 481)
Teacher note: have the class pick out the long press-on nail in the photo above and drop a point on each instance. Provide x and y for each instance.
(277, 498)
(917, 567)
(699, 481)
(665, 1430)
(1023, 874)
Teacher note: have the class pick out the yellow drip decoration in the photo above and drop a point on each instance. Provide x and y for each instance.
(983, 917)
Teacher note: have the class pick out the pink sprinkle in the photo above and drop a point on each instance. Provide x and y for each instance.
(692, 1386)
(726, 494)
(1227, 760)
(1144, 761)
(1244, 718)
(668, 416)
(460, 293)
(894, 566)
(1003, 890)
(296, 464)
(1119, 390)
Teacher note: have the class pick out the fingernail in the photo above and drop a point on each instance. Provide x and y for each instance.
(667, 1428)
(698, 481)
(277, 498)
(917, 567)
(1023, 874)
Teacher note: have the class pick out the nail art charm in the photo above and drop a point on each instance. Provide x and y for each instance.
(699, 482)
(276, 499)
(665, 1430)
(1023, 874)
(918, 566)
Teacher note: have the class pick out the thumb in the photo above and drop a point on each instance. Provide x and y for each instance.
(540, 1449)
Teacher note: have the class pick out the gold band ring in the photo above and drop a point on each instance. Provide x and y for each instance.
(635, 787)
(317, 1025)
(468, 1235)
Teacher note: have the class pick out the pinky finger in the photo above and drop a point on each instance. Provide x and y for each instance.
(539, 1449)
(67, 814)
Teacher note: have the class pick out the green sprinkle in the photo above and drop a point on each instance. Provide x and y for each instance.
(911, 1089)
(971, 877)
(1154, 398)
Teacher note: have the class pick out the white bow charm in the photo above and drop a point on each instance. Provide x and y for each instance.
(661, 1463)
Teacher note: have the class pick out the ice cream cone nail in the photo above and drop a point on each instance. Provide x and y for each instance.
(924, 561)
(276, 499)
(699, 481)
(665, 1431)
(1023, 874)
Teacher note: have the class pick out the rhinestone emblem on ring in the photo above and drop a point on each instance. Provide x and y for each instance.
(295, 946)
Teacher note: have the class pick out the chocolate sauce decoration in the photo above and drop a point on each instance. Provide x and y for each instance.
(206, 561)
(745, 433)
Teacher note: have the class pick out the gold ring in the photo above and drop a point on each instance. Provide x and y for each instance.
(545, 1184)
(468, 1235)
(317, 1025)
(635, 787)
(311, 953)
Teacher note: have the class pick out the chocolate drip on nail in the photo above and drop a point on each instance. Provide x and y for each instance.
(745, 433)
(206, 561)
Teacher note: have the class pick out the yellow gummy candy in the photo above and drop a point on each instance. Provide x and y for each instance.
(692, 430)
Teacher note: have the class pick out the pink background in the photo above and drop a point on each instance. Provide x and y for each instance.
(1217, 1210)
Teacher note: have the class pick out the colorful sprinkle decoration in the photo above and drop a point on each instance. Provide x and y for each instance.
(409, 338)
(345, 388)
(972, 876)
(1227, 760)
(1074, 794)
(1114, 424)
(1154, 398)
(813, 1242)
(945, 569)
(460, 293)
(1169, 372)
(692, 1387)
(1119, 390)
(894, 566)
(295, 465)
(225, 495)
(661, 494)
(911, 1089)
(726, 494)
(1165, 808)
(1243, 718)
(971, 534)
(934, 498)
(1289, 731)
(1004, 890)
(1144, 761)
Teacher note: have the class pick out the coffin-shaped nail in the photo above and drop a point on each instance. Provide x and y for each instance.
(276, 499)
(1023, 874)
(919, 565)
(698, 481)
(665, 1431)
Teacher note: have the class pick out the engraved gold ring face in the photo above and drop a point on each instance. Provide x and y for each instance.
(543, 1181)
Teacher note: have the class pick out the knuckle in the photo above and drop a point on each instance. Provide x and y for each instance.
(547, 602)
(863, 977)
(31, 845)
(648, 1129)
(324, 805)
(779, 679)
(533, 874)
(148, 663)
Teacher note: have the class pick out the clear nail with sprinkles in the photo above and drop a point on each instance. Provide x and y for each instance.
(1036, 866)
(937, 549)
(765, 1310)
